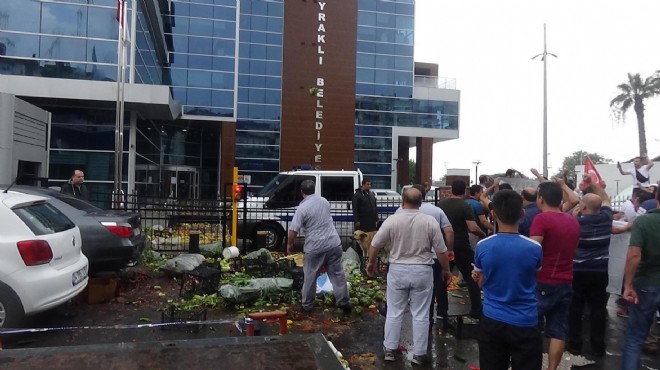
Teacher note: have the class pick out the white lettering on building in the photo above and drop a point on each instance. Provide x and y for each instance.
(320, 82)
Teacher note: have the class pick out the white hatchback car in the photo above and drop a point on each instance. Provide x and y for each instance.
(41, 263)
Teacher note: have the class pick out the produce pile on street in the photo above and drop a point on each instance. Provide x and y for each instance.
(258, 282)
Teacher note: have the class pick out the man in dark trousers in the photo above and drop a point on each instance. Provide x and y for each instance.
(509, 332)
(75, 186)
(365, 215)
(462, 220)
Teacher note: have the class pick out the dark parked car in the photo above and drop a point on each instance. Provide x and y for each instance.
(111, 239)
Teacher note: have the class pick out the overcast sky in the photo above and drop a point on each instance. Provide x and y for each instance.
(487, 47)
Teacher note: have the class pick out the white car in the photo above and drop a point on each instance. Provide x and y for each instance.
(41, 262)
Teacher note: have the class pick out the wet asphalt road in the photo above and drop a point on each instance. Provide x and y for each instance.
(359, 338)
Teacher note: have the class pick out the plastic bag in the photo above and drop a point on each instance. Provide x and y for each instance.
(257, 288)
(261, 253)
(324, 286)
(183, 262)
(350, 262)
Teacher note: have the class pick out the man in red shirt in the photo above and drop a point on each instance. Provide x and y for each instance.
(559, 234)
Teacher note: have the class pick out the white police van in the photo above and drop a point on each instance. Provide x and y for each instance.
(272, 208)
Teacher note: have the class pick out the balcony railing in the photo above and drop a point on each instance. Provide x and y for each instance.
(435, 82)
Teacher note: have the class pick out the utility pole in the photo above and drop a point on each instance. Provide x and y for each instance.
(476, 171)
(544, 58)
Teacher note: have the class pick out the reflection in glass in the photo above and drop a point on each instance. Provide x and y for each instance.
(63, 19)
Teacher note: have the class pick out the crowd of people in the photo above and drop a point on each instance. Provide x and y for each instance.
(540, 257)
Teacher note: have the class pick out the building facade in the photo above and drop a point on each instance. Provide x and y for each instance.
(263, 85)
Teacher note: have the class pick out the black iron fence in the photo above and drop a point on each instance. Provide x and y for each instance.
(167, 222)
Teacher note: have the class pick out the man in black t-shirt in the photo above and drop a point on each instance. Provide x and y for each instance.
(462, 220)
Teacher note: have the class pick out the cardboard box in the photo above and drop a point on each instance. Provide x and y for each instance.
(101, 290)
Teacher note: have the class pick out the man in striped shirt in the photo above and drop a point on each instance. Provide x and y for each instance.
(590, 276)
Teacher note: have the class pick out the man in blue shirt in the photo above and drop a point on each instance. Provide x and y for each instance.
(531, 210)
(505, 266)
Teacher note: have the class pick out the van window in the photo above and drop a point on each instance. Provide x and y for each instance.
(337, 188)
(44, 219)
(287, 194)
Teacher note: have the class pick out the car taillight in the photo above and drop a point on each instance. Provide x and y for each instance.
(35, 252)
(123, 230)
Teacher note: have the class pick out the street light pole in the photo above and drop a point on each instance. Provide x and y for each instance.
(544, 58)
(476, 171)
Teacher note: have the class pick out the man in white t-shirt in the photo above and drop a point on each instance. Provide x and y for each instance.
(639, 172)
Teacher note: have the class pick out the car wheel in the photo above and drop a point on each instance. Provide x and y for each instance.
(273, 238)
(11, 310)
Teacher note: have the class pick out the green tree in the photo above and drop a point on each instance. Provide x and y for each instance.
(577, 159)
(632, 94)
(412, 171)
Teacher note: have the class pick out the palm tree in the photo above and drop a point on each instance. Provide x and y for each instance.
(633, 94)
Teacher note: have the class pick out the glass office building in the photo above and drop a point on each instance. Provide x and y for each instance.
(204, 88)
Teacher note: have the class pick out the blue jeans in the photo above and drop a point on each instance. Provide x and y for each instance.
(639, 322)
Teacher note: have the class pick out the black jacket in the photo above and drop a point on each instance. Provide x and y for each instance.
(364, 210)
(77, 191)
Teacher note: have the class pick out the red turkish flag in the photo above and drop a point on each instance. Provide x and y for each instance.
(120, 13)
(590, 169)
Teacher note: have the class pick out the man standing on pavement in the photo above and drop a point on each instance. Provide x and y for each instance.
(462, 220)
(479, 213)
(531, 210)
(75, 186)
(414, 238)
(590, 275)
(322, 247)
(641, 283)
(558, 233)
(448, 232)
(365, 214)
(639, 172)
(509, 332)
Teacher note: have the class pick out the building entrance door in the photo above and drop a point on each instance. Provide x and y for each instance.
(181, 182)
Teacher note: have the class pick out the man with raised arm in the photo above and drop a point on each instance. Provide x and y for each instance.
(640, 172)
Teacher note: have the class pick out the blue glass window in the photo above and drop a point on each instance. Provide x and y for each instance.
(63, 48)
(259, 138)
(202, 11)
(406, 9)
(224, 29)
(223, 98)
(376, 143)
(273, 97)
(275, 10)
(198, 78)
(223, 13)
(259, 151)
(275, 24)
(386, 6)
(405, 22)
(378, 156)
(179, 24)
(200, 45)
(260, 165)
(102, 51)
(373, 130)
(257, 125)
(385, 61)
(20, 15)
(366, 18)
(366, 60)
(375, 168)
(200, 97)
(224, 47)
(367, 5)
(386, 20)
(63, 19)
(223, 64)
(365, 75)
(201, 27)
(223, 80)
(200, 61)
(102, 23)
(19, 45)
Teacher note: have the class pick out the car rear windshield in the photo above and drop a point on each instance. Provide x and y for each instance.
(44, 219)
(77, 203)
